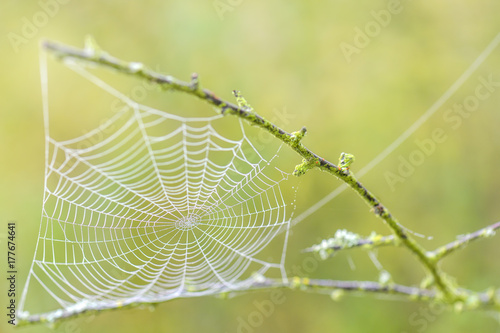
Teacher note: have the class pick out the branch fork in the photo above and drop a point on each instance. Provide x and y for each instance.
(443, 290)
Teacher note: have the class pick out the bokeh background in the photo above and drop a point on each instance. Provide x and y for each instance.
(288, 59)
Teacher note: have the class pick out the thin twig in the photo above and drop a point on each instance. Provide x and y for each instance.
(336, 288)
(347, 240)
(265, 284)
(450, 248)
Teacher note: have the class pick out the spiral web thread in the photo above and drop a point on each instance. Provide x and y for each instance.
(160, 207)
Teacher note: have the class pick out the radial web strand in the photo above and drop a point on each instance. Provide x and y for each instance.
(152, 206)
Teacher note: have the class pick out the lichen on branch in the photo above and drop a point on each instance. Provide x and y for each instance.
(441, 289)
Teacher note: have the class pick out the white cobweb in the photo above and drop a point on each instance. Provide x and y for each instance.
(151, 206)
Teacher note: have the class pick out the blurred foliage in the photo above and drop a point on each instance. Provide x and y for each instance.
(287, 56)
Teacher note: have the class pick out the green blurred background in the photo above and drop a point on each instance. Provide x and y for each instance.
(287, 58)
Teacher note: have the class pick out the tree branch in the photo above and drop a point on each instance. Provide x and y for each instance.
(336, 288)
(344, 239)
(450, 248)
(445, 290)
(333, 286)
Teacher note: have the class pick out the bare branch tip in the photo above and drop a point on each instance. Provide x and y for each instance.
(45, 44)
(195, 83)
(345, 161)
(303, 167)
(298, 135)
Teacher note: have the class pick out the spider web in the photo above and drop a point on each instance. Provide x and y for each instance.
(151, 206)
